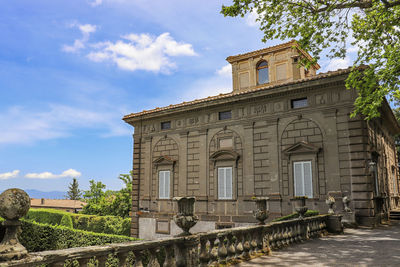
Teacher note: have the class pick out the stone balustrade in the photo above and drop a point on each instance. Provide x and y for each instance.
(202, 249)
(186, 250)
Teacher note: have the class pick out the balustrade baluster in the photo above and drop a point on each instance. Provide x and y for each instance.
(153, 262)
(230, 246)
(122, 258)
(83, 262)
(272, 238)
(290, 234)
(253, 241)
(213, 250)
(285, 236)
(279, 237)
(238, 245)
(246, 245)
(204, 253)
(222, 251)
(169, 256)
(138, 258)
(101, 261)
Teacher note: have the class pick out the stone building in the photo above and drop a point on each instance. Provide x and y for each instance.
(283, 131)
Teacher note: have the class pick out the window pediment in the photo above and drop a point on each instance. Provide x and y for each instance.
(302, 148)
(225, 154)
(164, 160)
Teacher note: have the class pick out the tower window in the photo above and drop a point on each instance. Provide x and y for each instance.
(165, 125)
(299, 103)
(262, 72)
(225, 115)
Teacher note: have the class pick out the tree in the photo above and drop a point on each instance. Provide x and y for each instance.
(73, 190)
(107, 202)
(374, 26)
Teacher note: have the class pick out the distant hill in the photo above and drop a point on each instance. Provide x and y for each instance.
(50, 195)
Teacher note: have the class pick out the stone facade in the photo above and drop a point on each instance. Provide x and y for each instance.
(258, 133)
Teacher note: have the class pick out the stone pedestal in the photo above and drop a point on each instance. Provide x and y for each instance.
(349, 220)
(334, 224)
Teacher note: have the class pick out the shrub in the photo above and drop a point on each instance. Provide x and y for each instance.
(309, 213)
(66, 221)
(40, 237)
(99, 224)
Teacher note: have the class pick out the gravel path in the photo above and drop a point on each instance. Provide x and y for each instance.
(356, 247)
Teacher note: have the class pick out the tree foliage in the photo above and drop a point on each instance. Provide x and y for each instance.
(372, 26)
(107, 202)
(73, 190)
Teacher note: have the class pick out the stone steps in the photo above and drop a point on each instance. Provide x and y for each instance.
(395, 215)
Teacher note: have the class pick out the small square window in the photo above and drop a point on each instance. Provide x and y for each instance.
(225, 115)
(299, 103)
(166, 125)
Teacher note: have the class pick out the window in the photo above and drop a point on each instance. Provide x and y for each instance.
(299, 103)
(262, 72)
(225, 115)
(302, 174)
(225, 183)
(166, 125)
(163, 184)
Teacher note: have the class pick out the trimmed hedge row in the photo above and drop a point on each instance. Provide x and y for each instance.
(309, 213)
(40, 237)
(93, 223)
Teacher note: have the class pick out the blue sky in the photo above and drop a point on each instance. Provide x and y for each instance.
(70, 70)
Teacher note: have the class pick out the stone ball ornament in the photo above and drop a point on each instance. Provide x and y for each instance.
(14, 204)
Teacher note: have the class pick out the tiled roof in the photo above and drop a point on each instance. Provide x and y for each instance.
(227, 95)
(57, 203)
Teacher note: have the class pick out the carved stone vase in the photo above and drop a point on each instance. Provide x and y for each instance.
(262, 212)
(300, 205)
(14, 204)
(185, 218)
(330, 201)
(346, 201)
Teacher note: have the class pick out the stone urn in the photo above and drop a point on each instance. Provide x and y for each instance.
(185, 218)
(262, 212)
(14, 204)
(300, 205)
(330, 201)
(346, 201)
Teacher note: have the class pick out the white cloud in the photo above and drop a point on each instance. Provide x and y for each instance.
(9, 175)
(24, 126)
(142, 52)
(225, 70)
(86, 30)
(251, 19)
(338, 63)
(219, 83)
(49, 175)
(96, 2)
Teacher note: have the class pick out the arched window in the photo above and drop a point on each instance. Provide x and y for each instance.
(262, 72)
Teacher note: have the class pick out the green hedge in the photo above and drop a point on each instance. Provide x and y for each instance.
(40, 237)
(309, 213)
(99, 224)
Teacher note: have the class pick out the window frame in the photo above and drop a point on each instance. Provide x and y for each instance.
(165, 123)
(224, 112)
(295, 180)
(225, 189)
(169, 184)
(299, 99)
(258, 68)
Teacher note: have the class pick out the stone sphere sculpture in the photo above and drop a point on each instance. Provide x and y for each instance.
(14, 204)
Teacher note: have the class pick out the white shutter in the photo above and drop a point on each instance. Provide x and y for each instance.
(164, 184)
(308, 190)
(298, 179)
(228, 183)
(161, 190)
(167, 179)
(221, 183)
